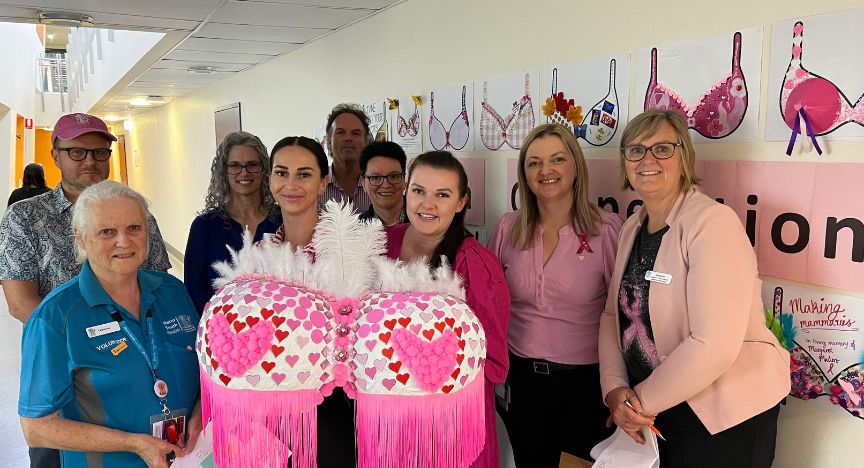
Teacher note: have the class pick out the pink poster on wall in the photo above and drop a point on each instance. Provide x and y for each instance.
(476, 170)
(806, 220)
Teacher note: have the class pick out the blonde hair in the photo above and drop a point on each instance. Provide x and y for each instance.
(584, 214)
(105, 190)
(645, 125)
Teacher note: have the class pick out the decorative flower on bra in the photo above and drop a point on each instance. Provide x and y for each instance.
(284, 329)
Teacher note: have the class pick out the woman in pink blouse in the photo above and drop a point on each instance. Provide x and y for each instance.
(436, 199)
(558, 252)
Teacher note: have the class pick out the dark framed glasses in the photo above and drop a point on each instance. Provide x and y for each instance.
(252, 167)
(376, 180)
(79, 154)
(635, 153)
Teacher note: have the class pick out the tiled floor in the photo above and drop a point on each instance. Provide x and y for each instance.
(13, 450)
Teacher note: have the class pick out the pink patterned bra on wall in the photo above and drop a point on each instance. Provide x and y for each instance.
(809, 97)
(283, 330)
(457, 136)
(718, 112)
(495, 131)
(408, 128)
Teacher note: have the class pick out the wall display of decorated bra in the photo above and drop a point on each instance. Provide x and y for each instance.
(816, 80)
(601, 84)
(450, 121)
(500, 129)
(406, 112)
(282, 332)
(675, 77)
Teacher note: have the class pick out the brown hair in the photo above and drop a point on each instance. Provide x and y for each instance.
(584, 214)
(647, 124)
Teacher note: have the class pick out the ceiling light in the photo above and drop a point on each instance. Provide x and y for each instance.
(202, 69)
(140, 102)
(112, 118)
(50, 37)
(64, 18)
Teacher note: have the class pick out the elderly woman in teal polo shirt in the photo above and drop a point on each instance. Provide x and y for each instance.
(109, 373)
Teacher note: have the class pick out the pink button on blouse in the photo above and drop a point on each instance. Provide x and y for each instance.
(555, 309)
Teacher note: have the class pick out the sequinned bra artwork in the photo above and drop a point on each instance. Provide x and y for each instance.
(408, 128)
(495, 131)
(603, 117)
(284, 329)
(718, 112)
(457, 136)
(816, 100)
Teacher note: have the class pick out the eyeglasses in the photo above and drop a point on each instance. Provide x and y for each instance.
(234, 168)
(635, 153)
(376, 180)
(79, 154)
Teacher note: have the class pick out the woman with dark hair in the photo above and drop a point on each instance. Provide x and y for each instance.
(436, 199)
(237, 199)
(33, 183)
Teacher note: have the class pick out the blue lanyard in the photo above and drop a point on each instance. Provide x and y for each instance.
(153, 359)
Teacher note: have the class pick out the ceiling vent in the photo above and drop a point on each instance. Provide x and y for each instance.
(65, 19)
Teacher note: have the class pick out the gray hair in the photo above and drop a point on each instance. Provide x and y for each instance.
(105, 190)
(218, 192)
(346, 108)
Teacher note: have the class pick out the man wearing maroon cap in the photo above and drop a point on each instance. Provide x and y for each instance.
(37, 251)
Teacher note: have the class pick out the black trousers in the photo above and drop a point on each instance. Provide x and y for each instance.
(44, 458)
(561, 411)
(337, 446)
(747, 445)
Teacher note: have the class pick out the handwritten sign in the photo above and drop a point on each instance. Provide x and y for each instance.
(824, 333)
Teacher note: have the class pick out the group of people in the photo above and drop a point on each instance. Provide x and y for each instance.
(591, 322)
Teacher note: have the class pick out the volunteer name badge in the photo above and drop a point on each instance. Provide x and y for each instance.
(657, 277)
(104, 329)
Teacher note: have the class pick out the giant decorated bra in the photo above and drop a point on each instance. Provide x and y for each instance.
(287, 326)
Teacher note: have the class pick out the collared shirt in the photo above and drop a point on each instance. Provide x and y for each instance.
(65, 368)
(370, 214)
(37, 243)
(360, 199)
(556, 307)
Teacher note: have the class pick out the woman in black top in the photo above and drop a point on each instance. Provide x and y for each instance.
(33, 184)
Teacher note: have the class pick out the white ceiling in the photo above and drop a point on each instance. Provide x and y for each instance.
(231, 35)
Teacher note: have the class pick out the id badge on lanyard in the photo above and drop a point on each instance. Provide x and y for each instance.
(168, 425)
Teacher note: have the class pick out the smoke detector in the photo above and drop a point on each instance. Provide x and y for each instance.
(64, 19)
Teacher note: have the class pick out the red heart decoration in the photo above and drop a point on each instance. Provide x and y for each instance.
(455, 373)
(225, 379)
(387, 352)
(395, 366)
(403, 378)
(404, 321)
(385, 337)
(462, 344)
(450, 321)
(278, 320)
(231, 317)
(389, 324)
(252, 320)
(268, 366)
(227, 308)
(217, 309)
(429, 334)
(460, 358)
(281, 335)
(447, 388)
(440, 326)
(239, 326)
(277, 350)
(214, 364)
(458, 332)
(267, 313)
(209, 353)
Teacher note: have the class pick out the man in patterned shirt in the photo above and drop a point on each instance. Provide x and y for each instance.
(347, 135)
(36, 241)
(37, 251)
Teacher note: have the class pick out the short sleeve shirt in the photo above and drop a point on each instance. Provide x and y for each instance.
(37, 243)
(360, 199)
(82, 375)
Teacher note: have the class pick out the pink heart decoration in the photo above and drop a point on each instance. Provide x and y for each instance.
(370, 345)
(243, 310)
(302, 341)
(430, 362)
(426, 316)
(380, 363)
(438, 313)
(291, 359)
(361, 358)
(313, 357)
(279, 307)
(263, 301)
(463, 379)
(389, 383)
(416, 328)
(422, 305)
(253, 379)
(226, 344)
(302, 377)
(278, 377)
(293, 324)
(371, 371)
(472, 343)
(471, 362)
(249, 298)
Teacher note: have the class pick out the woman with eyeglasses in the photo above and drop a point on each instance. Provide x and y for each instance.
(382, 167)
(683, 341)
(238, 199)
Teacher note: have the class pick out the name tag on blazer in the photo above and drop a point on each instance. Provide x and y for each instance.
(657, 277)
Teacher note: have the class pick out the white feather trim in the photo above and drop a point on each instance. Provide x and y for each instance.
(348, 260)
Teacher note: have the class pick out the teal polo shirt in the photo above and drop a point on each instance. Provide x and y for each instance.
(65, 369)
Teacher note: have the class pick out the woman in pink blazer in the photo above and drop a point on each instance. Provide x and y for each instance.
(683, 341)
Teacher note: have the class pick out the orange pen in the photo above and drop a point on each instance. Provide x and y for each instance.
(650, 426)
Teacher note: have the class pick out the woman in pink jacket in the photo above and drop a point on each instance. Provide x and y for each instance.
(683, 341)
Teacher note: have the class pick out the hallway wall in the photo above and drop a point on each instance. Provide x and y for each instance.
(419, 45)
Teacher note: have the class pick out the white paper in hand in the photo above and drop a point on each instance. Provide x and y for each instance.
(203, 449)
(621, 451)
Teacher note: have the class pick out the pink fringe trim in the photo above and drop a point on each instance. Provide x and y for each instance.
(254, 429)
(429, 431)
